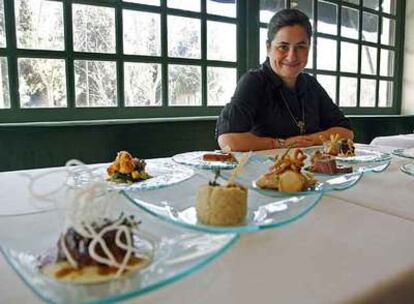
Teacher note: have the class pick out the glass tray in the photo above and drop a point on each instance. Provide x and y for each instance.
(177, 205)
(408, 169)
(259, 164)
(177, 252)
(407, 153)
(195, 159)
(164, 173)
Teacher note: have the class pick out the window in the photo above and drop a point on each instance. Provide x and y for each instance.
(76, 60)
(354, 50)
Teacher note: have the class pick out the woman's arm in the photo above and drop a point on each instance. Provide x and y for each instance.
(317, 138)
(248, 142)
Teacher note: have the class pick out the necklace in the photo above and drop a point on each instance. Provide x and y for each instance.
(299, 123)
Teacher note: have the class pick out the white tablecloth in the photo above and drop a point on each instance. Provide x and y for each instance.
(396, 141)
(355, 246)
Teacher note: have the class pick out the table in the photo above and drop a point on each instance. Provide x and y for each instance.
(397, 141)
(355, 246)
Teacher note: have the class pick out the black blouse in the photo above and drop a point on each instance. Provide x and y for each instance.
(259, 106)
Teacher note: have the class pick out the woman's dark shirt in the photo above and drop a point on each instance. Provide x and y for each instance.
(257, 106)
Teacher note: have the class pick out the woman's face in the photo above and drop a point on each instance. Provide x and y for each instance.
(288, 52)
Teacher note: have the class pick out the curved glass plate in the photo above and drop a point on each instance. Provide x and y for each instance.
(407, 153)
(177, 252)
(178, 206)
(408, 169)
(163, 171)
(364, 161)
(195, 159)
(259, 164)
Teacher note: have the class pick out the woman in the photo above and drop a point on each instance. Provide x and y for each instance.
(278, 105)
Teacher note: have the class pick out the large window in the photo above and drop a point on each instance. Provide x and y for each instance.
(89, 59)
(356, 54)
(108, 59)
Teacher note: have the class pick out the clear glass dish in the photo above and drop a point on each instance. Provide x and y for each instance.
(195, 159)
(164, 173)
(177, 252)
(407, 153)
(177, 205)
(259, 164)
(364, 161)
(408, 168)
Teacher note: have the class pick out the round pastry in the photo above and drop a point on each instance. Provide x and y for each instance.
(221, 205)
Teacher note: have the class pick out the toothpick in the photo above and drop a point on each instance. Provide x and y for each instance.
(236, 171)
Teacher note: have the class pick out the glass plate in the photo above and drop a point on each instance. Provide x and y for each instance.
(408, 169)
(177, 205)
(195, 159)
(407, 153)
(259, 164)
(163, 171)
(177, 252)
(364, 161)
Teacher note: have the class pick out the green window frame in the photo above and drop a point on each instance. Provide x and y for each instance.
(248, 27)
(18, 114)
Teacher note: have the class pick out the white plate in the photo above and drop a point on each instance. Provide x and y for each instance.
(195, 159)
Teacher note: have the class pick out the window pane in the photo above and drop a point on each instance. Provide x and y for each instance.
(368, 60)
(388, 31)
(221, 41)
(350, 22)
(348, 92)
(42, 83)
(352, 1)
(374, 4)
(263, 48)
(95, 83)
(369, 27)
(148, 2)
(387, 63)
(327, 18)
(221, 83)
(385, 94)
(93, 29)
(4, 87)
(326, 50)
(389, 6)
(2, 28)
(305, 6)
(329, 84)
(269, 8)
(142, 84)
(309, 65)
(223, 9)
(193, 5)
(367, 93)
(39, 24)
(184, 85)
(349, 57)
(188, 45)
(141, 33)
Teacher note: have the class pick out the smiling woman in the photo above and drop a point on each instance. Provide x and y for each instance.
(278, 105)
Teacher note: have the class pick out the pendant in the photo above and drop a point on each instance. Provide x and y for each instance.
(301, 126)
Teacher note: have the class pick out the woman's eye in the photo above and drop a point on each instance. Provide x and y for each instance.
(283, 48)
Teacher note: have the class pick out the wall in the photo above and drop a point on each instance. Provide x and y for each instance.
(23, 147)
(408, 78)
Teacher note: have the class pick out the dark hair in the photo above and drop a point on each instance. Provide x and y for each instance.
(288, 17)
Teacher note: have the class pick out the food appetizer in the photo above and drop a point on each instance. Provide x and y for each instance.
(285, 175)
(326, 164)
(126, 169)
(96, 253)
(223, 205)
(337, 146)
(220, 157)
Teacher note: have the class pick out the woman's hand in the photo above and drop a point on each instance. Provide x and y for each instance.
(299, 141)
